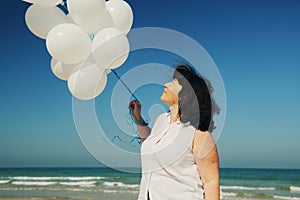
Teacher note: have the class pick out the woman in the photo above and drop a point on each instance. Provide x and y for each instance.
(179, 155)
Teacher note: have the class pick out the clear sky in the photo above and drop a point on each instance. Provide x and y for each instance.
(255, 44)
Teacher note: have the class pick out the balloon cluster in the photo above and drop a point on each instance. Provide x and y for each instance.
(85, 44)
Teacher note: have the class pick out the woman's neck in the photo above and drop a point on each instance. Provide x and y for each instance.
(174, 113)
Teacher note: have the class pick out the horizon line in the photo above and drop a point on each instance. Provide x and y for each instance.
(103, 167)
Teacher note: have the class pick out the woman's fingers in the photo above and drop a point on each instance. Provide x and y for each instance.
(136, 104)
(131, 103)
(135, 110)
(135, 107)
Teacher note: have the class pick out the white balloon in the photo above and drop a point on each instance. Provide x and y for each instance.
(40, 19)
(107, 21)
(104, 35)
(63, 71)
(121, 13)
(88, 82)
(68, 43)
(116, 0)
(44, 2)
(90, 14)
(110, 48)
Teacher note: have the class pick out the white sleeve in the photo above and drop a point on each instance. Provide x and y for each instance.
(144, 131)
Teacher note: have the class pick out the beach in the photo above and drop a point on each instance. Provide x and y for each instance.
(110, 184)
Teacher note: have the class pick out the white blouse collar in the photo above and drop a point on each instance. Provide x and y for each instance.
(176, 122)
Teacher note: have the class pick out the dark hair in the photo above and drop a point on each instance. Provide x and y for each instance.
(196, 105)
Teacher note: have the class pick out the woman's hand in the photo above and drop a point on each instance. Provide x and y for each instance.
(142, 127)
(136, 108)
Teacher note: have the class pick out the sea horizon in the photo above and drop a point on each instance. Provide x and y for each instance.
(91, 167)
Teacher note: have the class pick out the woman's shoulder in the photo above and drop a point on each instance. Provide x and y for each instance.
(203, 140)
(203, 136)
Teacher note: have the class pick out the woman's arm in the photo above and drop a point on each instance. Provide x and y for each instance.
(144, 131)
(206, 156)
(142, 127)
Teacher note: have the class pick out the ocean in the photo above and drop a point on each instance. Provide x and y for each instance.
(109, 184)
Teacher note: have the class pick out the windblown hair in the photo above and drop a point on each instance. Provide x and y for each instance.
(196, 105)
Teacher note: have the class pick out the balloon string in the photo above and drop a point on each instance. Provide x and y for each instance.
(124, 84)
(136, 135)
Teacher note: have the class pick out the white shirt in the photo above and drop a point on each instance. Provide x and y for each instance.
(169, 171)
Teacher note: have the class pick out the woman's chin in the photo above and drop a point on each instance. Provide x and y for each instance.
(163, 99)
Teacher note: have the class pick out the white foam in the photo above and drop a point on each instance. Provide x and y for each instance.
(295, 189)
(120, 191)
(246, 188)
(27, 178)
(4, 181)
(129, 192)
(41, 183)
(231, 194)
(286, 198)
(86, 178)
(79, 183)
(119, 184)
(48, 178)
(44, 189)
(110, 191)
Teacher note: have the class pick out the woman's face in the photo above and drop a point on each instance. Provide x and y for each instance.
(170, 93)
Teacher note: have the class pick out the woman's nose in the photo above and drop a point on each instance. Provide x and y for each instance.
(167, 85)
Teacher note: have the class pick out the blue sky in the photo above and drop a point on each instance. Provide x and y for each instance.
(255, 44)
